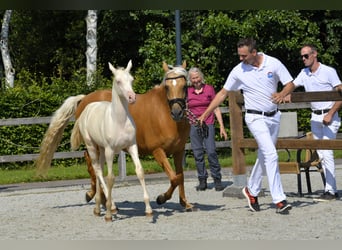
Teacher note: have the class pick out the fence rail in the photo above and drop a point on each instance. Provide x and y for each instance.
(79, 154)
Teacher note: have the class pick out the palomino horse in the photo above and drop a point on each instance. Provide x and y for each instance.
(106, 128)
(162, 129)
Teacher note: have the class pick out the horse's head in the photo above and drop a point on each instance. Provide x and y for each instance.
(123, 81)
(176, 89)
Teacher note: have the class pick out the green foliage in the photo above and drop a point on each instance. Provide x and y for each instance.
(38, 96)
(48, 47)
(41, 41)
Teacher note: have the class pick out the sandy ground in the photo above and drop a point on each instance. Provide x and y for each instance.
(47, 211)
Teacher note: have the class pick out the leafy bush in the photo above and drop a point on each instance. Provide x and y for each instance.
(38, 96)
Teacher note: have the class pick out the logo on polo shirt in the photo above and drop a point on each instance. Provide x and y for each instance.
(269, 75)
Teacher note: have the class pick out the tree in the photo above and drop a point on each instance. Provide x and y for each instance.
(91, 46)
(9, 70)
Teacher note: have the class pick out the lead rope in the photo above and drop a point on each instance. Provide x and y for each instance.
(192, 118)
(203, 130)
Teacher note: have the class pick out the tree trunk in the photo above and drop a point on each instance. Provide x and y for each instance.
(91, 46)
(9, 70)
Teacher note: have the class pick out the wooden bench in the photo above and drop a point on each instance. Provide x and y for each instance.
(307, 161)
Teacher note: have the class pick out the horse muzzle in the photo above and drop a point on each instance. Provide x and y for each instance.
(131, 97)
(177, 107)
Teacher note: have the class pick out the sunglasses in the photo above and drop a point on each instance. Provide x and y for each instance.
(306, 56)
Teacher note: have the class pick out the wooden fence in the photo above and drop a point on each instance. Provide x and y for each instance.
(79, 154)
(122, 157)
(239, 143)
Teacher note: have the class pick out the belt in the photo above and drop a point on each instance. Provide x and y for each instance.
(257, 112)
(320, 111)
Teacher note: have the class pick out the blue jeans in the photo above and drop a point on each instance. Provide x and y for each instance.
(201, 145)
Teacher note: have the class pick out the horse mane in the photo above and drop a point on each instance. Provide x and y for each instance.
(179, 70)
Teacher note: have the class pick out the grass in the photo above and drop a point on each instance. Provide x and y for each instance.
(79, 171)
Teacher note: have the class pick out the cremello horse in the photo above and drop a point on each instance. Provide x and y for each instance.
(106, 128)
(161, 124)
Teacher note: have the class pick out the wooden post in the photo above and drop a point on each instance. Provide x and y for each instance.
(238, 156)
(236, 128)
(122, 165)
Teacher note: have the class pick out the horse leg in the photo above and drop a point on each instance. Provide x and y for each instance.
(99, 182)
(161, 158)
(110, 183)
(178, 162)
(105, 191)
(97, 209)
(91, 193)
(97, 163)
(93, 155)
(133, 151)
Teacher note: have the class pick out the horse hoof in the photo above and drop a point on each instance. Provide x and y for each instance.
(114, 210)
(96, 212)
(161, 199)
(148, 214)
(108, 219)
(89, 196)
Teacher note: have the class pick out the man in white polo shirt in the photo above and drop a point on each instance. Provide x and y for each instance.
(258, 75)
(325, 121)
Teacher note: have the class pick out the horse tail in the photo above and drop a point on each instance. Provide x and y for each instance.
(53, 135)
(76, 137)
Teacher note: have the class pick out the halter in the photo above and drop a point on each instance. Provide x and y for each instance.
(180, 101)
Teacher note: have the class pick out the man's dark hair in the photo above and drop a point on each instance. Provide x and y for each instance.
(249, 42)
(311, 46)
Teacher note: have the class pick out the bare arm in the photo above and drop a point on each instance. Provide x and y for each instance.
(283, 96)
(219, 98)
(335, 108)
(218, 115)
(339, 88)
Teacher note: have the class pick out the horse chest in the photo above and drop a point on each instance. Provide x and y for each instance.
(118, 136)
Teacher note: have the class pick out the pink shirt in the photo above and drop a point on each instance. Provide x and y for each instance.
(198, 103)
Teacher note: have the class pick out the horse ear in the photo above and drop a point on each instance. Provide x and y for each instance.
(111, 67)
(184, 64)
(165, 66)
(129, 66)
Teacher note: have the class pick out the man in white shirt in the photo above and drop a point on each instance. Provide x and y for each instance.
(257, 75)
(325, 121)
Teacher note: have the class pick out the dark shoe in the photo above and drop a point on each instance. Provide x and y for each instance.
(202, 185)
(283, 207)
(252, 200)
(218, 184)
(327, 196)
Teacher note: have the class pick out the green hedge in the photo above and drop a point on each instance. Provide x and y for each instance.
(36, 96)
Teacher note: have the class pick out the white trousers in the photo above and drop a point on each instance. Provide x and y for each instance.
(321, 131)
(265, 131)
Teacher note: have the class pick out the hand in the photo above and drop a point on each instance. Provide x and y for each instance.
(287, 98)
(202, 130)
(327, 119)
(279, 98)
(200, 120)
(223, 133)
